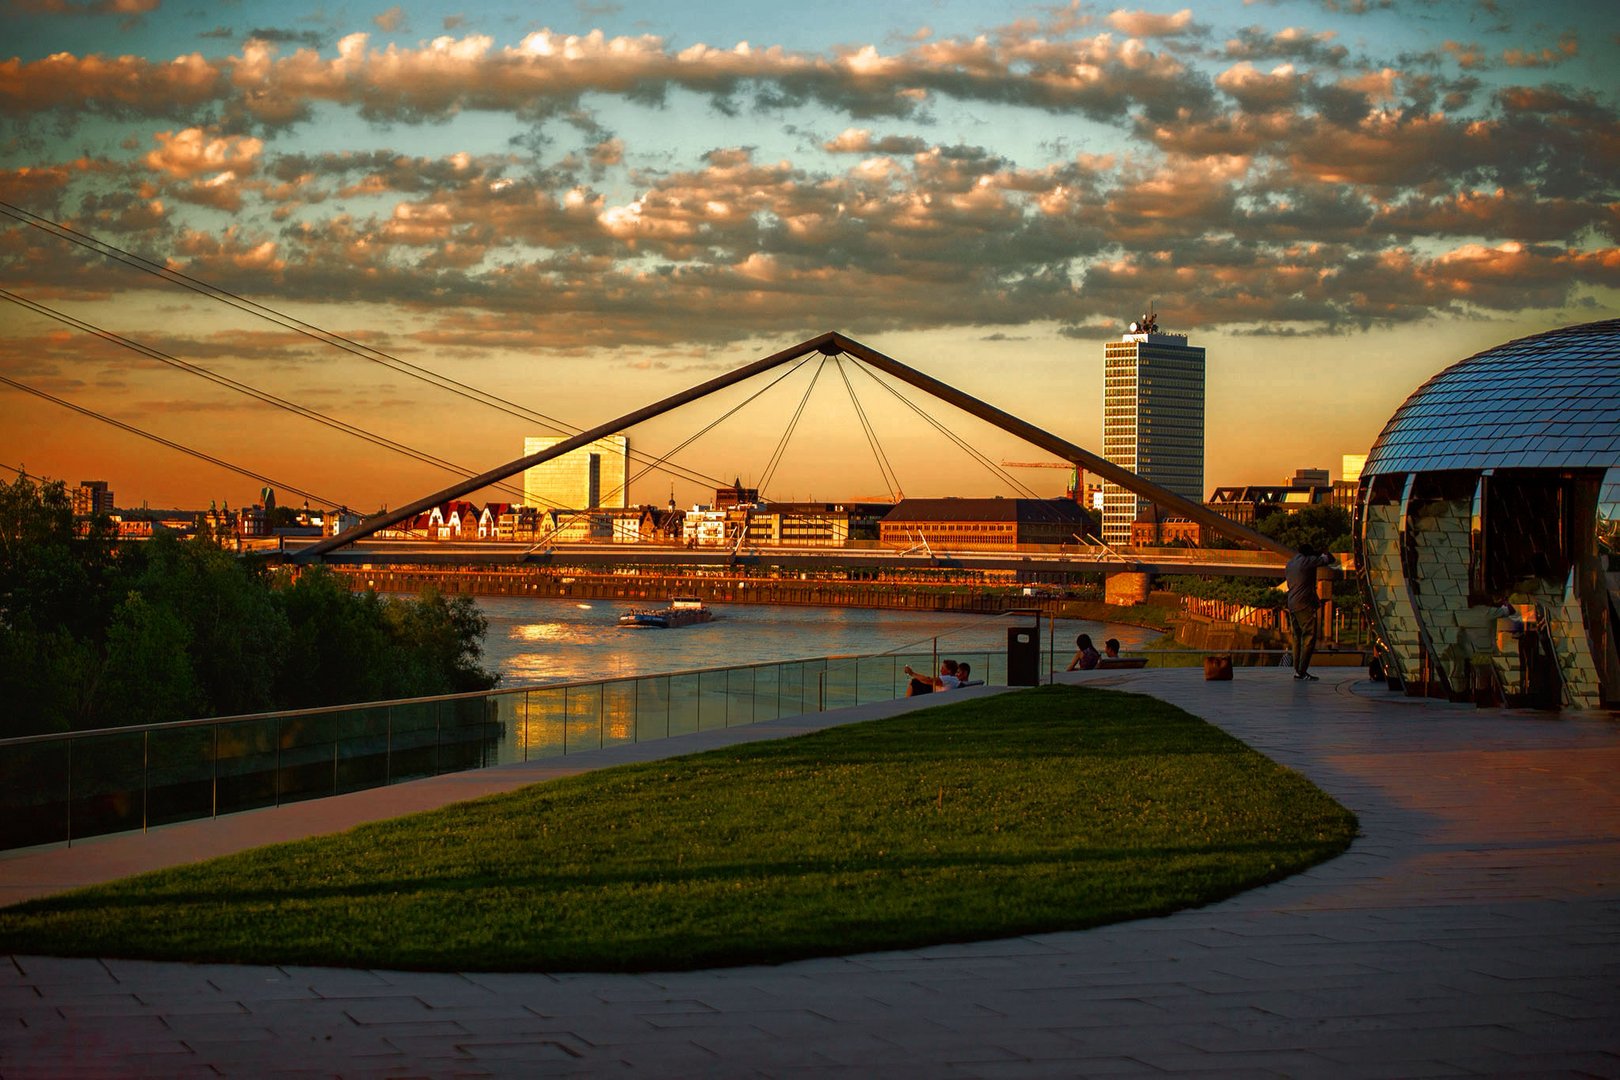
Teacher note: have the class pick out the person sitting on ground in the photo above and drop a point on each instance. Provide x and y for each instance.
(1111, 649)
(1086, 656)
(927, 684)
(964, 672)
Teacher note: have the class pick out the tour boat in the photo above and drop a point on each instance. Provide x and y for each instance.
(682, 611)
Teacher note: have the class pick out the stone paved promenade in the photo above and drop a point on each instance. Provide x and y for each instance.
(1474, 928)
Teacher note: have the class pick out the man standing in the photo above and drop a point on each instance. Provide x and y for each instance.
(1303, 606)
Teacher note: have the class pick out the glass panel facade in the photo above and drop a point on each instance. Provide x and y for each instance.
(1494, 569)
(685, 703)
(180, 774)
(584, 719)
(246, 768)
(414, 740)
(653, 708)
(619, 712)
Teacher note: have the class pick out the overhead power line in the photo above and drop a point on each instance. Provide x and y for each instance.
(320, 500)
(368, 353)
(243, 388)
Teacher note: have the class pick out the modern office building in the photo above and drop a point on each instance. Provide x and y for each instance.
(593, 476)
(92, 497)
(1488, 526)
(1153, 420)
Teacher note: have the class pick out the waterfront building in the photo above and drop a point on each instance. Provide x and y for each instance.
(803, 524)
(591, 476)
(984, 524)
(1487, 527)
(714, 526)
(1153, 420)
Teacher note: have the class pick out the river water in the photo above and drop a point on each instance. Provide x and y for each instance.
(534, 642)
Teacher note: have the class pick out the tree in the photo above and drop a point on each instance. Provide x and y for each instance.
(236, 634)
(338, 644)
(149, 672)
(1326, 528)
(96, 634)
(440, 643)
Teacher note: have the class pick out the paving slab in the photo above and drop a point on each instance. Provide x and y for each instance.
(1473, 928)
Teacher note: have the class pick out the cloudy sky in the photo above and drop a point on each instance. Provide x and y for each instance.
(582, 208)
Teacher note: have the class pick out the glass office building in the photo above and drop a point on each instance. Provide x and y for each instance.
(1487, 526)
(1153, 421)
(587, 478)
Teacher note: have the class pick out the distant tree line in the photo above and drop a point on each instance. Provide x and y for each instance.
(95, 633)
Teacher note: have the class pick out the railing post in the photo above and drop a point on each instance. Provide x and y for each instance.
(146, 777)
(213, 810)
(635, 712)
(388, 746)
(70, 794)
(565, 721)
(278, 761)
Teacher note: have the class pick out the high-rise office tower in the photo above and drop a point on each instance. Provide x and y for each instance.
(1153, 419)
(592, 476)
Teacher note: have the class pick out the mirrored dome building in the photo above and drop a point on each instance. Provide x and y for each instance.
(1487, 525)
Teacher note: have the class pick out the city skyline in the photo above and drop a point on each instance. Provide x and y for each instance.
(586, 209)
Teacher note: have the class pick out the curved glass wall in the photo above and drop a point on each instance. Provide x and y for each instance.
(1488, 525)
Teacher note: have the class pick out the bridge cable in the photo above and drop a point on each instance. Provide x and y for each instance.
(787, 434)
(891, 479)
(689, 440)
(133, 430)
(971, 451)
(365, 352)
(244, 388)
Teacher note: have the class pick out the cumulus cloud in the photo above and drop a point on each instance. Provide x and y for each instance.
(1144, 24)
(193, 151)
(391, 20)
(1569, 46)
(1264, 178)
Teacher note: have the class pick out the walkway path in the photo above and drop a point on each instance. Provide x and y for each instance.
(1474, 928)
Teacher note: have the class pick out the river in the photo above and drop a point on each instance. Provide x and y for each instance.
(533, 642)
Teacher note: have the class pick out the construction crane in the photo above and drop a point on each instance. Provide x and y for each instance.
(1075, 479)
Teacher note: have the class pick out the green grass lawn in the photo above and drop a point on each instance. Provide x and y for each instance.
(1054, 808)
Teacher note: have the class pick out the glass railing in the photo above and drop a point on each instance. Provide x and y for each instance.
(61, 788)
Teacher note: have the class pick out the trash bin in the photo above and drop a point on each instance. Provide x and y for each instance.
(1024, 655)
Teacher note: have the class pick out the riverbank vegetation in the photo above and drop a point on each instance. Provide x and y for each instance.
(1055, 808)
(95, 633)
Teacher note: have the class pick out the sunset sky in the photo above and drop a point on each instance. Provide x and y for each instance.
(585, 207)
